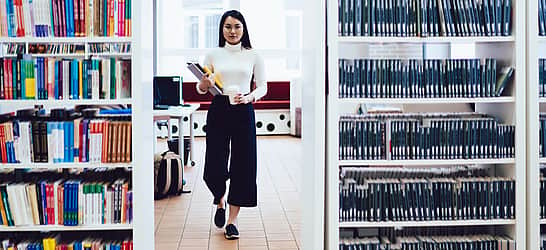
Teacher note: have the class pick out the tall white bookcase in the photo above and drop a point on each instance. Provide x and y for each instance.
(509, 110)
(536, 47)
(141, 165)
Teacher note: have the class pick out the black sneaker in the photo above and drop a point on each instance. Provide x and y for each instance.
(231, 232)
(220, 217)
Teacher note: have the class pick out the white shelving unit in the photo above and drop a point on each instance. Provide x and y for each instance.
(80, 40)
(536, 46)
(46, 228)
(52, 102)
(86, 41)
(509, 110)
(426, 223)
(420, 40)
(142, 172)
(503, 99)
(459, 162)
(66, 165)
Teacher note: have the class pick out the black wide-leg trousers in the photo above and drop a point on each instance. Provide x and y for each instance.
(231, 124)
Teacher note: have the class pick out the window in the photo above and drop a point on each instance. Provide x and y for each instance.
(275, 34)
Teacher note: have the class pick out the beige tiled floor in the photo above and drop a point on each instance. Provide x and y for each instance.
(186, 221)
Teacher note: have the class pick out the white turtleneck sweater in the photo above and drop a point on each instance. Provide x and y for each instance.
(236, 66)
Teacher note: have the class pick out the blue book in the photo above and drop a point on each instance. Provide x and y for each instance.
(41, 76)
(11, 18)
(65, 140)
(35, 65)
(76, 79)
(56, 80)
(71, 204)
(84, 79)
(39, 87)
(44, 200)
(71, 13)
(75, 199)
(71, 142)
(65, 203)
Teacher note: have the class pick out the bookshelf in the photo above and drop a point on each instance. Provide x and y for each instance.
(142, 233)
(67, 102)
(504, 99)
(535, 50)
(391, 224)
(425, 40)
(508, 108)
(46, 228)
(507, 161)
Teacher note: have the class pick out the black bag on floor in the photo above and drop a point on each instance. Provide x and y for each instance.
(168, 175)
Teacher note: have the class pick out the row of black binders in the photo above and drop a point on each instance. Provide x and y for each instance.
(424, 18)
(436, 199)
(447, 78)
(469, 242)
(424, 136)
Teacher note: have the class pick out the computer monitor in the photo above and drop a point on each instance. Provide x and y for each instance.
(167, 91)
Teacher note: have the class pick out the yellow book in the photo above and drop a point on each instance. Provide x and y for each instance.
(216, 77)
(53, 243)
(30, 88)
(45, 242)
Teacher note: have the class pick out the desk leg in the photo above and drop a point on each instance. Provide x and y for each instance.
(169, 129)
(181, 139)
(191, 140)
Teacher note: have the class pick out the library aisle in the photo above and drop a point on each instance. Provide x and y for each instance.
(186, 222)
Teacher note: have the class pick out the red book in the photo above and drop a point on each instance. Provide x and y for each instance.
(6, 79)
(82, 18)
(3, 144)
(119, 24)
(11, 85)
(81, 142)
(20, 25)
(50, 205)
(76, 13)
(62, 18)
(55, 10)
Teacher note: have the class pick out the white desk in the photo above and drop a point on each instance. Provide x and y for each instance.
(178, 113)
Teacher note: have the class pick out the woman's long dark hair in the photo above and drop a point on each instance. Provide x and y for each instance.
(245, 40)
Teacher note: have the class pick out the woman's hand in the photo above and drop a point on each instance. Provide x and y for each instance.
(205, 83)
(243, 99)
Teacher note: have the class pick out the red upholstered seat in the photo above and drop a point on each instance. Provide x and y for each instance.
(277, 97)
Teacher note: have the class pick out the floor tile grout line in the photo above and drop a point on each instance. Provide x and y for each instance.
(189, 206)
(261, 215)
(282, 205)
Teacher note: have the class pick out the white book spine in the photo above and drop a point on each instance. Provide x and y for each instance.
(14, 211)
(116, 9)
(60, 141)
(50, 144)
(106, 78)
(95, 86)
